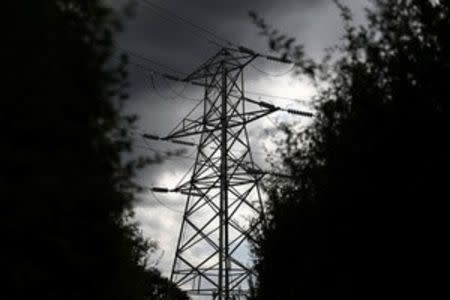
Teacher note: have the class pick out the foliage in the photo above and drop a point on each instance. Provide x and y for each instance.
(364, 214)
(66, 191)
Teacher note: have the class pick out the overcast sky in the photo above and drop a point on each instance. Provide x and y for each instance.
(166, 40)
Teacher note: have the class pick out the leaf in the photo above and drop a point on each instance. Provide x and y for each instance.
(289, 42)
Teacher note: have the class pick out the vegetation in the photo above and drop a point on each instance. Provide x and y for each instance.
(66, 191)
(364, 214)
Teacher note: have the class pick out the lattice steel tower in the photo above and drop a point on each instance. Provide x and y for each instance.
(211, 257)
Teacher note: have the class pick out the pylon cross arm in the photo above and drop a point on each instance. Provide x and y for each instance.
(200, 126)
(223, 191)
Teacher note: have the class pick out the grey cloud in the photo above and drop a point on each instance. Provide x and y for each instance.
(313, 22)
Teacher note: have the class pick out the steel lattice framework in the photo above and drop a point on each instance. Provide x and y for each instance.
(211, 258)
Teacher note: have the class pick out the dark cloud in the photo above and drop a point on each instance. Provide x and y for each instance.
(167, 40)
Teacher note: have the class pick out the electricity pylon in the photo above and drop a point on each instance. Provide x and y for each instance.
(211, 257)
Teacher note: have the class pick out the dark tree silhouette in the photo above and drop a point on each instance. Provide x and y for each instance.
(65, 189)
(364, 216)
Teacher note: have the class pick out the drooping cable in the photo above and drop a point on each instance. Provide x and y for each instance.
(173, 15)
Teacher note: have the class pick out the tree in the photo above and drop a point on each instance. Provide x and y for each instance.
(66, 191)
(364, 215)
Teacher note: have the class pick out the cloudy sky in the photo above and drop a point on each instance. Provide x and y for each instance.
(175, 46)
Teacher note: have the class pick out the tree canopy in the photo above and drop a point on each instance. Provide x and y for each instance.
(66, 190)
(363, 216)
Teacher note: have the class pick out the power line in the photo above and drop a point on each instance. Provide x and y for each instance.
(179, 94)
(247, 92)
(273, 74)
(190, 156)
(145, 69)
(190, 23)
(138, 55)
(172, 158)
(142, 67)
(186, 174)
(157, 12)
(156, 72)
(165, 153)
(257, 153)
(149, 73)
(161, 202)
(278, 97)
(223, 183)
(211, 33)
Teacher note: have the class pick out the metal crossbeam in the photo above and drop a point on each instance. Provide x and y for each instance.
(211, 258)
